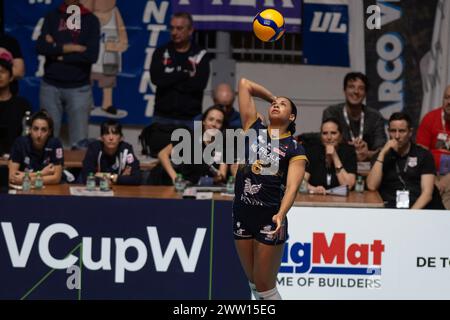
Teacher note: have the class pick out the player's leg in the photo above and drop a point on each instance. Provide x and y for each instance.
(266, 263)
(244, 249)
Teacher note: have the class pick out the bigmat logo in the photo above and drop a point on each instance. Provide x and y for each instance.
(332, 256)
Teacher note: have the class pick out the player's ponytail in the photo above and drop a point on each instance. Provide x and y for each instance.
(291, 127)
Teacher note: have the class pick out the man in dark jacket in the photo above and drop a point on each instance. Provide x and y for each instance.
(69, 54)
(180, 71)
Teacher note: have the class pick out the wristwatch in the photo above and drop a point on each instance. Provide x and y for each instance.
(339, 169)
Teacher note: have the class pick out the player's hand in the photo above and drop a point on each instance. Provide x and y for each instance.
(49, 39)
(126, 171)
(317, 190)
(279, 220)
(391, 144)
(330, 150)
(48, 170)
(362, 150)
(17, 178)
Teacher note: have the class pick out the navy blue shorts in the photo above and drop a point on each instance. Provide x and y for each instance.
(255, 223)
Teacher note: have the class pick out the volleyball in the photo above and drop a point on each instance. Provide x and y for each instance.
(268, 25)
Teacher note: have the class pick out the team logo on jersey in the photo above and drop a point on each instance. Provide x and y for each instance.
(130, 158)
(166, 59)
(250, 188)
(59, 153)
(277, 150)
(412, 162)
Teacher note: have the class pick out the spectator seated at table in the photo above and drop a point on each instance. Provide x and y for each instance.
(331, 163)
(37, 151)
(404, 172)
(212, 124)
(111, 157)
(434, 134)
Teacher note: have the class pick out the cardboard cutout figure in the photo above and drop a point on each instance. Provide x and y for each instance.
(113, 41)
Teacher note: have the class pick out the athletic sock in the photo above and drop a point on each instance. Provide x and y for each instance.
(271, 294)
(254, 292)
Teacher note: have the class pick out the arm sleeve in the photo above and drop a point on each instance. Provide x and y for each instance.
(45, 48)
(135, 177)
(57, 157)
(428, 164)
(297, 153)
(199, 81)
(424, 136)
(310, 156)
(89, 164)
(17, 155)
(160, 78)
(348, 159)
(92, 46)
(379, 134)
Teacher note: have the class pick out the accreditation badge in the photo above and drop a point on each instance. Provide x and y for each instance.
(402, 199)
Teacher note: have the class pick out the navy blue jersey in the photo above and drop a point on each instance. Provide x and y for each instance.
(262, 179)
(32, 160)
(96, 160)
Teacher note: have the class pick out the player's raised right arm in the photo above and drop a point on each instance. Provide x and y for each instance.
(247, 90)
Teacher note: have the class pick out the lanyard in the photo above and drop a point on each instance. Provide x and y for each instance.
(328, 179)
(361, 124)
(443, 121)
(397, 169)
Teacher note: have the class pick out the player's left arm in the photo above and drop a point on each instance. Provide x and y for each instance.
(296, 171)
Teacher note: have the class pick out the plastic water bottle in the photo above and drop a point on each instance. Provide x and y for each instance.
(26, 123)
(359, 186)
(104, 184)
(180, 184)
(230, 185)
(90, 182)
(26, 183)
(38, 183)
(303, 187)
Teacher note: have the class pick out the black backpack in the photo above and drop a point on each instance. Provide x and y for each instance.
(155, 137)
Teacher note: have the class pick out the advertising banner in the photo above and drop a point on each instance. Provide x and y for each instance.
(325, 32)
(111, 248)
(398, 54)
(343, 253)
(238, 14)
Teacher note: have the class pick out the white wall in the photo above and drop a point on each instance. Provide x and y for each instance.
(312, 88)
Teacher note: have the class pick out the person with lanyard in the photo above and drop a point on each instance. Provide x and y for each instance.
(331, 163)
(363, 127)
(37, 151)
(266, 185)
(402, 171)
(111, 157)
(434, 134)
